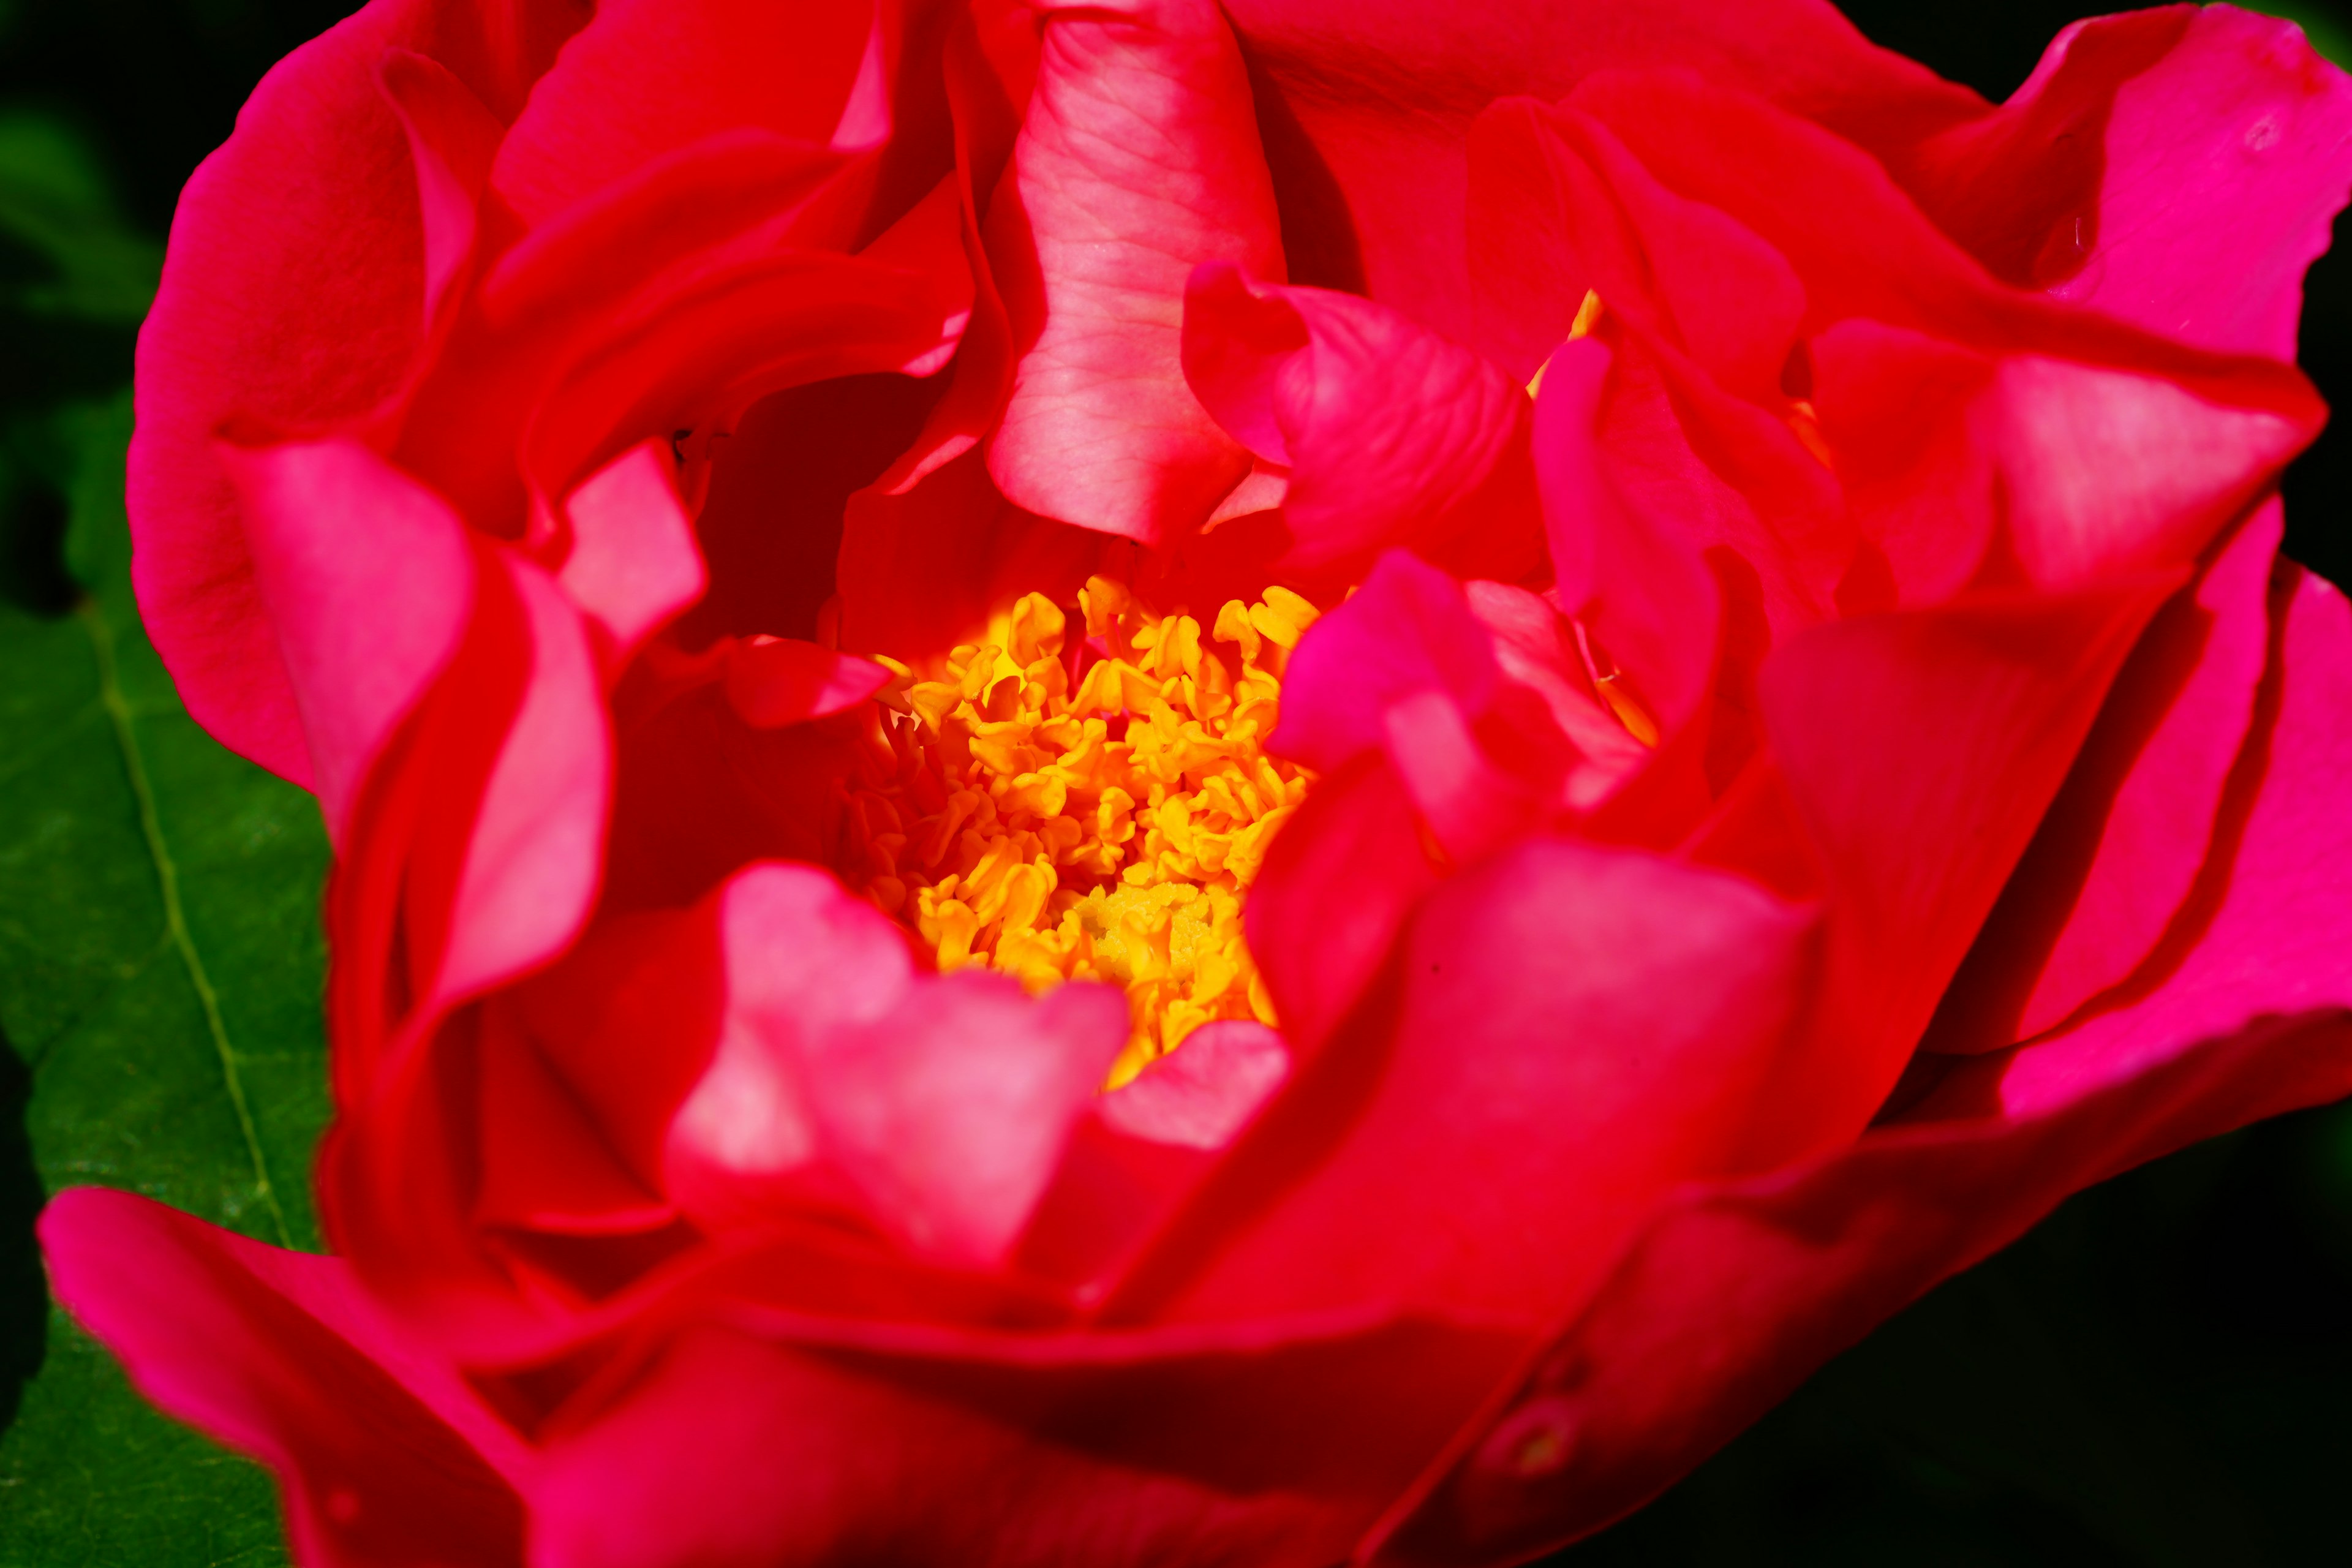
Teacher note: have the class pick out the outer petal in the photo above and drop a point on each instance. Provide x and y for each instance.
(732, 1448)
(2126, 839)
(1371, 164)
(1735, 1292)
(2176, 168)
(368, 581)
(1565, 1032)
(1921, 749)
(647, 77)
(384, 1455)
(291, 293)
(1139, 160)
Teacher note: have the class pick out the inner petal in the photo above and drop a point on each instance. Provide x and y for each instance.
(1088, 806)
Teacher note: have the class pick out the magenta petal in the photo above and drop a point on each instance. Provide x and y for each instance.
(1391, 435)
(1271, 1446)
(647, 77)
(1921, 749)
(367, 579)
(2176, 169)
(942, 1102)
(950, 1115)
(2109, 471)
(536, 854)
(1199, 1097)
(1633, 580)
(2126, 838)
(452, 139)
(1407, 630)
(774, 681)
(633, 563)
(293, 300)
(384, 1455)
(1734, 1293)
(1376, 155)
(1341, 880)
(1570, 1032)
(1139, 160)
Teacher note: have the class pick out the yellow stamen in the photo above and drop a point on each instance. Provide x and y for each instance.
(1105, 828)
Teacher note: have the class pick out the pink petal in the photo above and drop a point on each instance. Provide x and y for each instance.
(2126, 839)
(2109, 471)
(773, 681)
(452, 139)
(1139, 160)
(950, 1115)
(383, 1455)
(1633, 580)
(1735, 1292)
(368, 580)
(1339, 884)
(1896, 408)
(1199, 1097)
(920, 572)
(1273, 1446)
(645, 78)
(1921, 749)
(294, 301)
(536, 852)
(1391, 435)
(944, 1103)
(633, 563)
(1407, 630)
(1566, 1033)
(1373, 161)
(1585, 214)
(701, 356)
(2176, 169)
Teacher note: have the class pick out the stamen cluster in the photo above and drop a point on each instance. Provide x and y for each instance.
(1095, 809)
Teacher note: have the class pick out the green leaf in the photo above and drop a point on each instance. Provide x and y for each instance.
(160, 972)
(55, 200)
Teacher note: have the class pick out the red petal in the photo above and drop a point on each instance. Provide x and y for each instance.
(384, 1455)
(1139, 160)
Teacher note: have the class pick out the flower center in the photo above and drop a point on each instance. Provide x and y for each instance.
(1090, 809)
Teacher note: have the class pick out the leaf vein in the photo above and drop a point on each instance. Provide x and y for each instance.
(175, 922)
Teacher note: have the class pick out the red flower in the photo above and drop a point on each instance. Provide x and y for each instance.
(804, 550)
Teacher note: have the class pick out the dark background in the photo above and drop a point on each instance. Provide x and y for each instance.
(2159, 1374)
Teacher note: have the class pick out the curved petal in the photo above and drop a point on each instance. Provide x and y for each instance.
(1139, 160)
(1392, 436)
(368, 581)
(291, 294)
(384, 1455)
(292, 298)
(631, 564)
(943, 1102)
(2127, 837)
(1565, 1032)
(730, 1450)
(1734, 1292)
(1921, 749)
(2178, 169)
(1372, 161)
(648, 77)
